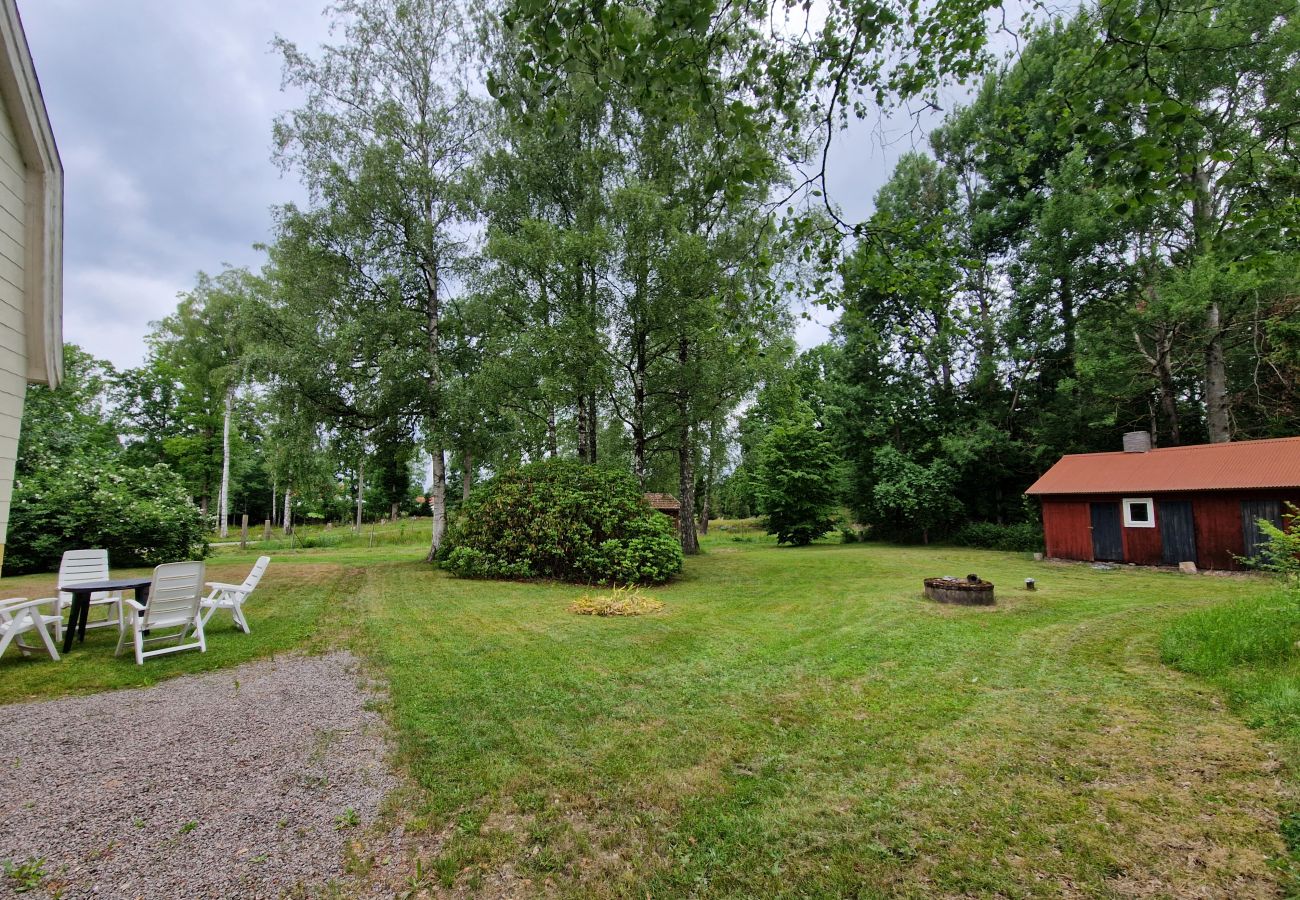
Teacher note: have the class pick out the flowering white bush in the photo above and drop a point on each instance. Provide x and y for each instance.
(141, 516)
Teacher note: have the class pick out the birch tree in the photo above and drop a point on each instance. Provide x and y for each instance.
(385, 141)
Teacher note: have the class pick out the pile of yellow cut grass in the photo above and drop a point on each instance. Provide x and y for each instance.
(621, 601)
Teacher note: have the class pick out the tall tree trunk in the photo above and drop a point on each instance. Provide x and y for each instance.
(1168, 390)
(205, 496)
(394, 510)
(686, 456)
(361, 490)
(639, 467)
(286, 521)
(1217, 413)
(686, 488)
(466, 474)
(275, 500)
(438, 500)
(584, 428)
(704, 510)
(552, 438)
(709, 473)
(1068, 317)
(1216, 379)
(223, 501)
(1158, 359)
(594, 424)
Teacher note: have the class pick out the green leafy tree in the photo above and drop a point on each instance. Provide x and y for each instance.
(76, 420)
(76, 487)
(798, 483)
(385, 140)
(910, 499)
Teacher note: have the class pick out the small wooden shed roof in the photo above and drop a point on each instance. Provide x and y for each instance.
(1241, 465)
(665, 502)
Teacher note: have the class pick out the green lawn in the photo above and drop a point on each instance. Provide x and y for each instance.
(794, 723)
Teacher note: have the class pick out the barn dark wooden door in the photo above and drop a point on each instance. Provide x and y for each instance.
(1106, 540)
(1177, 531)
(1251, 512)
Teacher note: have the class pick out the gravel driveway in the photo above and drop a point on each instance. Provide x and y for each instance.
(244, 783)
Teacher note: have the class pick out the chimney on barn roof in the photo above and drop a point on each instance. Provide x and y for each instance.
(1137, 442)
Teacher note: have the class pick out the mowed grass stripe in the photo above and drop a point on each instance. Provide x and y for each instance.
(798, 723)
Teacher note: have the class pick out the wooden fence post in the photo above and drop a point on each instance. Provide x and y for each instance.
(243, 533)
(266, 531)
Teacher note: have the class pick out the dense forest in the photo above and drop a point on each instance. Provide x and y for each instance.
(542, 231)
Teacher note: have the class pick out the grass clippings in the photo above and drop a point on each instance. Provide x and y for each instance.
(625, 601)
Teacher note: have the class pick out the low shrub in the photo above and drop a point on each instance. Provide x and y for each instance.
(141, 516)
(562, 519)
(1026, 537)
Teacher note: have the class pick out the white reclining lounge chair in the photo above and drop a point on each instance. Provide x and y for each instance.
(78, 567)
(173, 603)
(232, 596)
(19, 616)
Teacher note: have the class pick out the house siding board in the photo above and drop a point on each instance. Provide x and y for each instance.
(13, 319)
(1218, 530)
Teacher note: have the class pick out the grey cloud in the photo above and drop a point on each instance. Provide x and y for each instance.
(163, 113)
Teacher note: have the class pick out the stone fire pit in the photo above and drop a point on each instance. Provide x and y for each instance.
(969, 591)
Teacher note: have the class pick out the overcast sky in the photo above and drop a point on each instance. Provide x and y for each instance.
(162, 111)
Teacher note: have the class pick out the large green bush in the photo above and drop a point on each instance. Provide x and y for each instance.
(565, 520)
(141, 516)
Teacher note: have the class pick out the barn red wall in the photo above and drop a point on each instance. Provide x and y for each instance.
(1141, 545)
(1218, 530)
(1067, 529)
(1217, 514)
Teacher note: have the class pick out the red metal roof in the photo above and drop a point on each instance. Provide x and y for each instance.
(1241, 465)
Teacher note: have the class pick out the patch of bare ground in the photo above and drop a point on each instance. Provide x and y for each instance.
(546, 847)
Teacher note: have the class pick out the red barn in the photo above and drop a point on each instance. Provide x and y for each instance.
(1196, 504)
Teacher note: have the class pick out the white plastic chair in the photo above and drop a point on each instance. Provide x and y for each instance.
(232, 596)
(19, 616)
(78, 567)
(173, 603)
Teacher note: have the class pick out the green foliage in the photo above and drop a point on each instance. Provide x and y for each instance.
(1026, 537)
(910, 499)
(25, 876)
(1280, 552)
(141, 516)
(565, 520)
(73, 420)
(798, 487)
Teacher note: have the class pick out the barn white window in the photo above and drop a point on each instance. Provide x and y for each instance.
(1139, 512)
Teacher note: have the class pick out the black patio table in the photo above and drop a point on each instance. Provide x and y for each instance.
(81, 602)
